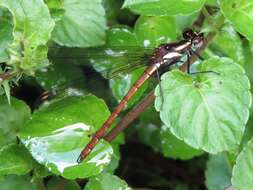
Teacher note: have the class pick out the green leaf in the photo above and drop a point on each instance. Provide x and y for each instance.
(56, 9)
(32, 30)
(112, 10)
(208, 111)
(163, 7)
(13, 182)
(12, 119)
(218, 173)
(240, 14)
(212, 2)
(59, 74)
(120, 86)
(242, 176)
(106, 181)
(58, 132)
(15, 159)
(5, 38)
(248, 133)
(149, 134)
(172, 147)
(40, 171)
(115, 157)
(55, 183)
(153, 31)
(248, 53)
(83, 24)
(185, 21)
(228, 43)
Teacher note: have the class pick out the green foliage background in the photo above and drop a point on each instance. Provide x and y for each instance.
(204, 126)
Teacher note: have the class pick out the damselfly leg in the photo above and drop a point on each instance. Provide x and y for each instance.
(189, 54)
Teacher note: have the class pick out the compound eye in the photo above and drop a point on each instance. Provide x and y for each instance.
(188, 34)
(167, 47)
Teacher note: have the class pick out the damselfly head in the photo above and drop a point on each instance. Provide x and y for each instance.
(198, 40)
(195, 38)
(189, 34)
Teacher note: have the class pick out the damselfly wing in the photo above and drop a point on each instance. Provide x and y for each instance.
(114, 62)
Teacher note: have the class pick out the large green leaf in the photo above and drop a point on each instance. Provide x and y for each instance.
(106, 181)
(208, 111)
(13, 182)
(218, 173)
(15, 159)
(240, 14)
(163, 7)
(242, 176)
(58, 131)
(172, 147)
(13, 118)
(32, 30)
(83, 24)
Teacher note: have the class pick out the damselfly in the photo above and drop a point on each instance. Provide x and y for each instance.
(164, 56)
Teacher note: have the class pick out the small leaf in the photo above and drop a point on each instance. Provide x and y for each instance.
(163, 7)
(208, 111)
(83, 24)
(172, 147)
(242, 176)
(106, 181)
(6, 38)
(58, 132)
(240, 14)
(13, 182)
(13, 117)
(32, 30)
(218, 173)
(15, 159)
